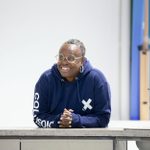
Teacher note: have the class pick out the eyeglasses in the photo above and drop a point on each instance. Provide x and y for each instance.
(70, 58)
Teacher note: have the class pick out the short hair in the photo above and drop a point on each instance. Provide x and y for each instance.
(77, 43)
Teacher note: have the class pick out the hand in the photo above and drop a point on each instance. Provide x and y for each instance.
(66, 119)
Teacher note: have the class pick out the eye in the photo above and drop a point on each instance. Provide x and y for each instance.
(71, 58)
(61, 57)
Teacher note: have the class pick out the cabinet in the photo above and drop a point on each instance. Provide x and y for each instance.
(9, 144)
(66, 144)
(57, 144)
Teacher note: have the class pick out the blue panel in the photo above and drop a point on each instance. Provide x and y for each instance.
(136, 40)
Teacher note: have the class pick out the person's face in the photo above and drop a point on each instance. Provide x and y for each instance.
(69, 69)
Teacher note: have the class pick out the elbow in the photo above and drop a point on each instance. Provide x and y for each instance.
(104, 121)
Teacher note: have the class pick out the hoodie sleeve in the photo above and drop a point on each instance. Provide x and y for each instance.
(41, 114)
(102, 109)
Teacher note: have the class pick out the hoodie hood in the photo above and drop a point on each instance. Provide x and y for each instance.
(86, 69)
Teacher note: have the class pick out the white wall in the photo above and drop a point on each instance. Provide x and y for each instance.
(31, 32)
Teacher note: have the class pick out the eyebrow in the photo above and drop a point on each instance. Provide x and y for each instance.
(69, 54)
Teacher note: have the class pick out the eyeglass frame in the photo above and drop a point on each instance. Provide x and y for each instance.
(75, 58)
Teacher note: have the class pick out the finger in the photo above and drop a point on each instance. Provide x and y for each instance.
(71, 110)
(65, 122)
(65, 109)
(68, 110)
(58, 122)
(66, 119)
(62, 126)
(66, 114)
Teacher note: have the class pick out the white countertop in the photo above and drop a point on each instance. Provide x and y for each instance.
(129, 124)
(115, 129)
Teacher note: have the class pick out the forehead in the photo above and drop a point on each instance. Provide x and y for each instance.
(70, 49)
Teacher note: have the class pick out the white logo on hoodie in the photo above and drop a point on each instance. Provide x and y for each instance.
(86, 104)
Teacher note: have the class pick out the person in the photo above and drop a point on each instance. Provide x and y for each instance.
(72, 94)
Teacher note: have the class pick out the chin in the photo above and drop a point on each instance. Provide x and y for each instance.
(67, 77)
(64, 75)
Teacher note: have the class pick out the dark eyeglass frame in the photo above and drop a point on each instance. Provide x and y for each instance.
(69, 61)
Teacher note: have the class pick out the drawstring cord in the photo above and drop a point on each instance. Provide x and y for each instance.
(78, 92)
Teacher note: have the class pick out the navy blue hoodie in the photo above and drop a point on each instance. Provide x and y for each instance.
(88, 95)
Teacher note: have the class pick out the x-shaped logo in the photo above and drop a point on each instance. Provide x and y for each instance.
(86, 104)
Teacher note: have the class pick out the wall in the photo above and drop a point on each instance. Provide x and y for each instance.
(31, 32)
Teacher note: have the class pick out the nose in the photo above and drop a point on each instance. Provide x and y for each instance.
(65, 61)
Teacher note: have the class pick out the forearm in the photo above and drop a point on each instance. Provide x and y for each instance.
(90, 121)
(45, 120)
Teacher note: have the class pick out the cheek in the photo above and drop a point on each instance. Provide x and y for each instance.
(77, 68)
(58, 62)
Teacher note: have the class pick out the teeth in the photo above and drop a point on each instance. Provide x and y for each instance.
(65, 68)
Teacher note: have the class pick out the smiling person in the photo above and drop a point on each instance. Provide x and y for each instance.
(72, 94)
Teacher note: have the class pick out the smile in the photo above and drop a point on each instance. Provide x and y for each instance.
(65, 69)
